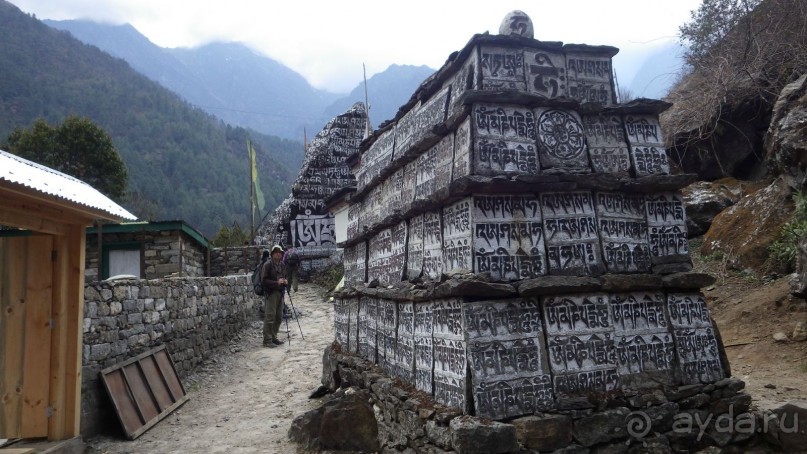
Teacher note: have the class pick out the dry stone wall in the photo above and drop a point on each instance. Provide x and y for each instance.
(517, 242)
(124, 318)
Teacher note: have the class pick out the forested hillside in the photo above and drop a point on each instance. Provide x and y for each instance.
(182, 163)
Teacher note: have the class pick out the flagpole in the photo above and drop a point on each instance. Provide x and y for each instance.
(250, 152)
(366, 103)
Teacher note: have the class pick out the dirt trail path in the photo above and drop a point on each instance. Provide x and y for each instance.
(245, 397)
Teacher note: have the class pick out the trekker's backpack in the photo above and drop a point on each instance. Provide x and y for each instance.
(291, 258)
(257, 287)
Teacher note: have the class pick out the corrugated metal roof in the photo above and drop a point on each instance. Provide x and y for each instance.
(48, 181)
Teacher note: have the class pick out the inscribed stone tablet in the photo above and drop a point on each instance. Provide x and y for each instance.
(577, 314)
(698, 355)
(409, 184)
(361, 262)
(643, 130)
(507, 398)
(457, 237)
(561, 140)
(341, 322)
(354, 220)
(504, 140)
(623, 231)
(404, 362)
(507, 319)
(495, 359)
(376, 158)
(349, 260)
(449, 390)
(581, 352)
(387, 345)
(587, 382)
(546, 73)
(414, 248)
(431, 114)
(424, 357)
(353, 325)
(368, 314)
(607, 147)
(508, 236)
(644, 353)
(432, 245)
(379, 256)
(313, 230)
(650, 160)
(423, 321)
(392, 191)
(666, 219)
(502, 68)
(504, 122)
(424, 185)
(462, 150)
(444, 163)
(638, 313)
(589, 78)
(397, 261)
(447, 318)
(570, 229)
(405, 133)
(450, 357)
(465, 79)
(688, 310)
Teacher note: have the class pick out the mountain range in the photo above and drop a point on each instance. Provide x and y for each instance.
(243, 87)
(183, 162)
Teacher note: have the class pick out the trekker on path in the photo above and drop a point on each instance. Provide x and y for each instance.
(292, 261)
(273, 279)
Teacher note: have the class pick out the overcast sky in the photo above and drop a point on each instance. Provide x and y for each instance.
(328, 40)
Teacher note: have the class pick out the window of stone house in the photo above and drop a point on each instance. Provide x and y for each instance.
(121, 258)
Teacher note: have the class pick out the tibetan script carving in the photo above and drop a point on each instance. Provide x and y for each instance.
(570, 228)
(502, 68)
(623, 231)
(546, 73)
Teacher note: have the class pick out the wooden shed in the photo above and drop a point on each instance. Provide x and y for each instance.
(43, 214)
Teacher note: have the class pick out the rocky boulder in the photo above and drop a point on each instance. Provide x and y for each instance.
(786, 140)
(705, 199)
(345, 423)
(744, 232)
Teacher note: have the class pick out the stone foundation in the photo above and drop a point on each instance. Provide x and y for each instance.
(682, 418)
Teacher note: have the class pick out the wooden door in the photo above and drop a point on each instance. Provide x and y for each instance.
(26, 298)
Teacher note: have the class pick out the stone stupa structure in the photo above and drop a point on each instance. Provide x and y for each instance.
(302, 220)
(517, 245)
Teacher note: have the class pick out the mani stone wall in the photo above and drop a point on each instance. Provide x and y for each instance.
(302, 220)
(532, 237)
(124, 318)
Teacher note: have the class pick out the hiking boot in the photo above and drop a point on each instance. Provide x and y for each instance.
(269, 344)
(277, 341)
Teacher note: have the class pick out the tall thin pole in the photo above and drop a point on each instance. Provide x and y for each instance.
(366, 103)
(250, 152)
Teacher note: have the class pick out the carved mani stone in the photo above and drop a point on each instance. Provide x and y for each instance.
(517, 23)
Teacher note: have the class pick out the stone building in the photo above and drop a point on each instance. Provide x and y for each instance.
(147, 250)
(516, 241)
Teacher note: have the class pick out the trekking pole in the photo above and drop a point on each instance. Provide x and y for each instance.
(294, 312)
(288, 336)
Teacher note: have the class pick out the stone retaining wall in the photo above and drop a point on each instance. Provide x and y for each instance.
(668, 419)
(226, 261)
(125, 318)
